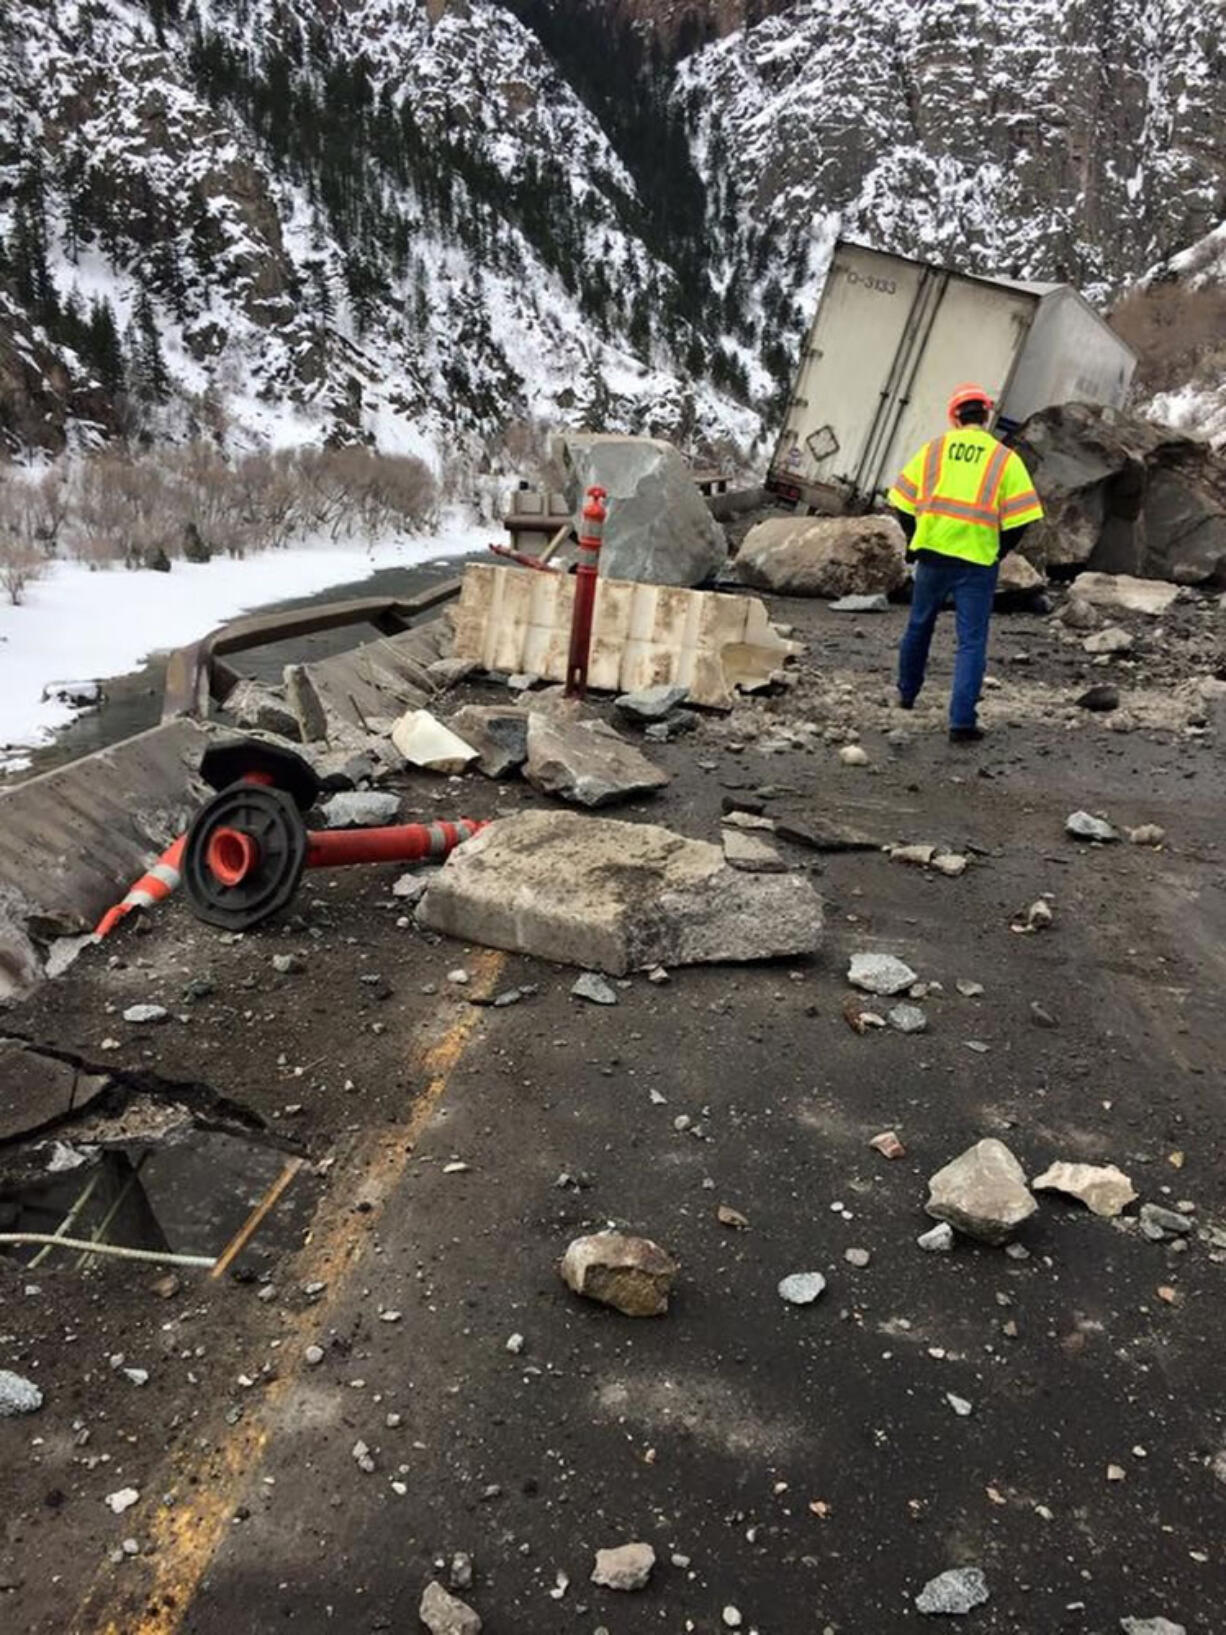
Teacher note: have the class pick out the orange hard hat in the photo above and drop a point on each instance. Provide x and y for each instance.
(964, 394)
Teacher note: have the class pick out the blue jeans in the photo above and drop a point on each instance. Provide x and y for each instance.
(972, 588)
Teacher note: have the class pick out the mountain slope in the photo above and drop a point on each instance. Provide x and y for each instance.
(434, 222)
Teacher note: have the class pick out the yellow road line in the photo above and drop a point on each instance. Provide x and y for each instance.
(153, 1594)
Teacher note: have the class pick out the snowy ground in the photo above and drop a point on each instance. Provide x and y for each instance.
(76, 624)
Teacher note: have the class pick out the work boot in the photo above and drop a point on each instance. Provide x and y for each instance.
(966, 735)
(905, 703)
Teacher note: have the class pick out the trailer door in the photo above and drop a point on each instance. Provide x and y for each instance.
(976, 335)
(866, 311)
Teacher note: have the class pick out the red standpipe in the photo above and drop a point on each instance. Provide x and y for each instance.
(590, 540)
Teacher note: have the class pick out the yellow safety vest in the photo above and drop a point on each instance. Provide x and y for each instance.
(963, 488)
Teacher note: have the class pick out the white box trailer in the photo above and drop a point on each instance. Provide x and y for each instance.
(889, 342)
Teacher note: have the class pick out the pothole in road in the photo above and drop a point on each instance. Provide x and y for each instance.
(135, 1160)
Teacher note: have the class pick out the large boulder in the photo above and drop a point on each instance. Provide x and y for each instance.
(1124, 495)
(659, 528)
(824, 556)
(616, 897)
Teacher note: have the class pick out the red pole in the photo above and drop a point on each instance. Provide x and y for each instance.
(405, 843)
(590, 541)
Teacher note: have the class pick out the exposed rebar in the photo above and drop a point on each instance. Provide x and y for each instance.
(115, 1249)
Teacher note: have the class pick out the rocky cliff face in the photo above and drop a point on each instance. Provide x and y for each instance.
(422, 221)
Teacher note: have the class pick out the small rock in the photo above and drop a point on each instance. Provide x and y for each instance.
(748, 852)
(627, 1567)
(313, 1356)
(918, 856)
(1151, 1626)
(880, 974)
(594, 988)
(1111, 640)
(1082, 826)
(853, 755)
(515, 1345)
(969, 990)
(1078, 615)
(1040, 1017)
(633, 1275)
(955, 1592)
(443, 1614)
(1102, 698)
(908, 1019)
(411, 888)
(146, 1014)
(122, 1499)
(18, 1395)
(651, 703)
(960, 1405)
(727, 1216)
(738, 819)
(460, 1572)
(802, 1288)
(1166, 1220)
(878, 603)
(287, 964)
(951, 864)
(167, 1287)
(459, 976)
(1116, 1473)
(857, 1257)
(731, 1617)
(362, 1457)
(888, 1145)
(983, 1193)
(937, 1240)
(358, 809)
(1147, 834)
(1104, 1189)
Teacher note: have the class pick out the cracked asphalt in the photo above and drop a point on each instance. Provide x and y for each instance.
(803, 1466)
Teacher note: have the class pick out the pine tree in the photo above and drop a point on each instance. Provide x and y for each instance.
(103, 349)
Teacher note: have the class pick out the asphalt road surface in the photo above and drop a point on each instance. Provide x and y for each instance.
(800, 1469)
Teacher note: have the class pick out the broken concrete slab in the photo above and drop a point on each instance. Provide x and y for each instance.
(983, 1193)
(633, 1275)
(616, 897)
(659, 530)
(751, 853)
(824, 556)
(587, 762)
(253, 704)
(512, 619)
(1121, 593)
(498, 733)
(651, 703)
(424, 741)
(1104, 1189)
(38, 1089)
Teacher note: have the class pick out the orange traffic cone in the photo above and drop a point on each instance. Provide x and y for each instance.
(152, 888)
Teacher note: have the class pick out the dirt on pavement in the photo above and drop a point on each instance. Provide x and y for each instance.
(801, 1469)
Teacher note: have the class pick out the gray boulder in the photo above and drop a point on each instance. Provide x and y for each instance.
(659, 529)
(651, 703)
(834, 557)
(359, 809)
(616, 897)
(499, 734)
(18, 1395)
(1124, 495)
(586, 762)
(305, 703)
(633, 1275)
(953, 1593)
(445, 1614)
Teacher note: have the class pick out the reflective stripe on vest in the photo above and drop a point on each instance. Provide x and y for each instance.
(983, 510)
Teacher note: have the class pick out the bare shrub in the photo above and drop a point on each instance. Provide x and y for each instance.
(126, 511)
(21, 561)
(1177, 333)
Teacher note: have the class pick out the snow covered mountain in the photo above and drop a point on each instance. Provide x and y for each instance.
(441, 223)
